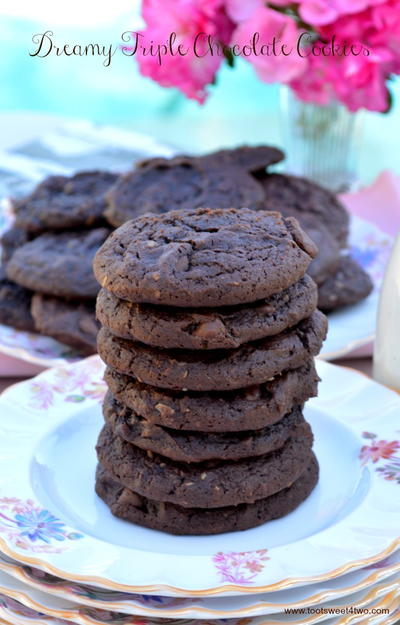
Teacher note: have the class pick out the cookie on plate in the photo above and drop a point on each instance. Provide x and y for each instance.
(161, 185)
(204, 257)
(71, 323)
(15, 305)
(218, 328)
(211, 484)
(172, 518)
(252, 363)
(58, 263)
(11, 240)
(253, 407)
(187, 446)
(61, 202)
(348, 285)
(294, 196)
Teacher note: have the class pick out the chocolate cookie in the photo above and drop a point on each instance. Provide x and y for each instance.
(58, 263)
(11, 240)
(349, 285)
(72, 323)
(250, 158)
(162, 185)
(212, 484)
(294, 196)
(15, 305)
(186, 446)
(253, 363)
(171, 518)
(327, 260)
(203, 257)
(220, 328)
(61, 202)
(250, 408)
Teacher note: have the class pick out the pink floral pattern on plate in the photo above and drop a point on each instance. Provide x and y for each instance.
(240, 568)
(70, 384)
(378, 451)
(33, 528)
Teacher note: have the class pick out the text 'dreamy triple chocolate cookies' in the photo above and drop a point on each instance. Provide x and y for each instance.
(209, 333)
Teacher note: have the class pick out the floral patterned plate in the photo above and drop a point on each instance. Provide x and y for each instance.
(50, 517)
(215, 607)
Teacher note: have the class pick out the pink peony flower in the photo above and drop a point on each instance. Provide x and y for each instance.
(318, 12)
(268, 40)
(316, 84)
(191, 65)
(321, 12)
(358, 81)
(240, 11)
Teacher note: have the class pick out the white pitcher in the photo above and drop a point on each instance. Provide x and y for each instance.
(387, 340)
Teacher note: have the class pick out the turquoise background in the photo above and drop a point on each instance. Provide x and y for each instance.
(239, 109)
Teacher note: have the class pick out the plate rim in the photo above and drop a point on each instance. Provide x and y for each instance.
(321, 597)
(387, 600)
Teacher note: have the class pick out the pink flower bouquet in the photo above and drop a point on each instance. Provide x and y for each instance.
(325, 50)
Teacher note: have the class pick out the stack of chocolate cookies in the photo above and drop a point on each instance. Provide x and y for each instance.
(46, 281)
(209, 330)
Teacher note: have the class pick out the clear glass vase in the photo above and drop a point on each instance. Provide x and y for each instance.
(321, 142)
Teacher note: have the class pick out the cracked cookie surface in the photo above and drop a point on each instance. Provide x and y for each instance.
(172, 518)
(252, 363)
(210, 484)
(221, 328)
(204, 257)
(250, 408)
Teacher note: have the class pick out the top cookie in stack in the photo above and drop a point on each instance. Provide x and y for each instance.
(209, 332)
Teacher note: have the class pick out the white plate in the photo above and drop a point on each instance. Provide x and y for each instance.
(17, 607)
(51, 518)
(201, 607)
(227, 606)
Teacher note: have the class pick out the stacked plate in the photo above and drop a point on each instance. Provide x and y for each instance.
(64, 557)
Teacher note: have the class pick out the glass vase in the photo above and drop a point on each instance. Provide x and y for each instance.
(321, 142)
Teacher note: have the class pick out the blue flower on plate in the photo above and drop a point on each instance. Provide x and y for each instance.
(41, 525)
